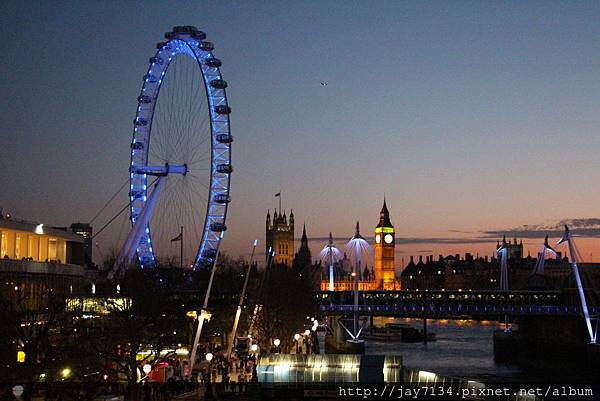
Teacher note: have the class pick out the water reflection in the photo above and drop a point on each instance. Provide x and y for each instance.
(464, 349)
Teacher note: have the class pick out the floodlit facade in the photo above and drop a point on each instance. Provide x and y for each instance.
(280, 238)
(22, 240)
(385, 253)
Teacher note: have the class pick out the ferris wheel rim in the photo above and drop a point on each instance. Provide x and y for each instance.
(185, 41)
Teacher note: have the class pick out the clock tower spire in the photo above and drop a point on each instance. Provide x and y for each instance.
(385, 243)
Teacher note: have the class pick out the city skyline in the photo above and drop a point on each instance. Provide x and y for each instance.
(470, 118)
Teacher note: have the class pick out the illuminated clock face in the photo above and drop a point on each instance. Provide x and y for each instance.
(378, 238)
(388, 238)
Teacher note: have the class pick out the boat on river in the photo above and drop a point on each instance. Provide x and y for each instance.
(397, 332)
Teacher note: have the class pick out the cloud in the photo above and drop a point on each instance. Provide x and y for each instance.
(584, 227)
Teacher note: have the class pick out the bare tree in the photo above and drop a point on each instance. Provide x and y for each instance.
(138, 327)
(286, 299)
(31, 325)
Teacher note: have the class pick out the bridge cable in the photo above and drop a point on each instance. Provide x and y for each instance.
(120, 211)
(109, 201)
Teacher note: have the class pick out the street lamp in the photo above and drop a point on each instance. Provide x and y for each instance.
(307, 332)
(276, 342)
(18, 390)
(147, 368)
(209, 356)
(254, 347)
(297, 339)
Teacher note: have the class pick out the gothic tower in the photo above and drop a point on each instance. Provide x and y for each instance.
(303, 258)
(280, 237)
(385, 242)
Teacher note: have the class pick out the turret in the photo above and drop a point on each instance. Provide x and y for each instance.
(384, 216)
(304, 239)
(357, 233)
(268, 220)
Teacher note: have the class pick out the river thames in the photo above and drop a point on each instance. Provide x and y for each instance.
(464, 349)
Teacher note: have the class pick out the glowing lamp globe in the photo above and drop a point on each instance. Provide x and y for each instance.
(254, 347)
(18, 390)
(296, 336)
(147, 368)
(307, 332)
(276, 342)
(209, 356)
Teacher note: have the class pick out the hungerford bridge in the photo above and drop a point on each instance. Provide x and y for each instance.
(453, 304)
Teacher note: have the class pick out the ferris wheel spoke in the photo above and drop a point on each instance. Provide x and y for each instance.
(195, 153)
(199, 182)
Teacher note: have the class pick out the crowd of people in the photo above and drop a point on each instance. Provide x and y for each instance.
(228, 375)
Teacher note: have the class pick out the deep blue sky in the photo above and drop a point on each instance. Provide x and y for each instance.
(469, 116)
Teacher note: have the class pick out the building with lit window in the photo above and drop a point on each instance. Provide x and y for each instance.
(280, 238)
(23, 240)
(36, 259)
(85, 230)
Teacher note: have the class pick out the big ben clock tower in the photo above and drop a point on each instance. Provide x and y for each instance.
(385, 243)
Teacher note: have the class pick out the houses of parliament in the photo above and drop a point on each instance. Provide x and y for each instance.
(447, 273)
(382, 275)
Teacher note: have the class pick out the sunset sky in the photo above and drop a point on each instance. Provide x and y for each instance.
(474, 119)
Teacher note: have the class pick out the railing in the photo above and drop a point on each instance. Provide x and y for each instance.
(451, 303)
(15, 266)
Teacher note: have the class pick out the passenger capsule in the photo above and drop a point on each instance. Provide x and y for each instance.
(222, 109)
(218, 83)
(184, 29)
(155, 60)
(149, 78)
(218, 227)
(144, 99)
(199, 35)
(224, 138)
(205, 263)
(140, 122)
(209, 253)
(136, 194)
(137, 145)
(224, 168)
(222, 198)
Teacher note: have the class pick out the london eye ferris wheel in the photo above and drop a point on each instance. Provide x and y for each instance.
(180, 156)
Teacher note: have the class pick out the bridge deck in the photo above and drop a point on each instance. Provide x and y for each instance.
(451, 304)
